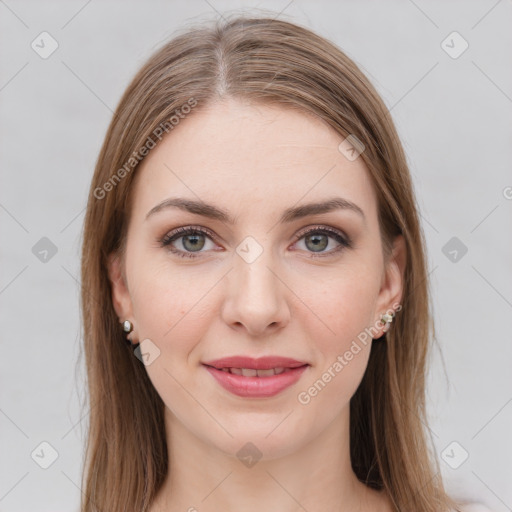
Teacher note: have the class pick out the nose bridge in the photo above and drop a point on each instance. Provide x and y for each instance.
(256, 295)
(252, 271)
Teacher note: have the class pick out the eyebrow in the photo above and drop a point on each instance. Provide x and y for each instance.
(289, 215)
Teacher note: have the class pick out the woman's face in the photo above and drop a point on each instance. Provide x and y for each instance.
(267, 277)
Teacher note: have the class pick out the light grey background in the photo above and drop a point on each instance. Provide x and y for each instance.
(453, 115)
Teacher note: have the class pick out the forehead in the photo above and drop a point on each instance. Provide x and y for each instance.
(241, 153)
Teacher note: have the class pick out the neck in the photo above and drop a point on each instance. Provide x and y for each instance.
(316, 477)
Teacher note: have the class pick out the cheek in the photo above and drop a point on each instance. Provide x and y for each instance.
(342, 353)
(167, 303)
(172, 309)
(345, 306)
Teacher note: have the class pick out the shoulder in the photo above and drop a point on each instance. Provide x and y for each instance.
(473, 507)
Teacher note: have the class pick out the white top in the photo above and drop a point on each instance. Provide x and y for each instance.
(474, 507)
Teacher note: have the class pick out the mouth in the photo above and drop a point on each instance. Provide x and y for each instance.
(256, 382)
(252, 372)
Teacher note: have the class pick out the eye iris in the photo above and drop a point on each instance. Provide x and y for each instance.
(319, 241)
(197, 242)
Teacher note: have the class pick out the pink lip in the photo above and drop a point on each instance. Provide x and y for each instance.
(256, 387)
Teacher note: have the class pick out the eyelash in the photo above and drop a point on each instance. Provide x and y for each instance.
(166, 241)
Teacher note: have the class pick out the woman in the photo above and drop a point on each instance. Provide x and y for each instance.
(254, 287)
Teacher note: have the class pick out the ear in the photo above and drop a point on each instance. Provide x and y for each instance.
(391, 290)
(121, 299)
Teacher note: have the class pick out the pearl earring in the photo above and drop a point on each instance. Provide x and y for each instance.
(386, 319)
(127, 326)
(128, 329)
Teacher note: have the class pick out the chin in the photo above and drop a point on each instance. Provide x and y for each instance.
(264, 440)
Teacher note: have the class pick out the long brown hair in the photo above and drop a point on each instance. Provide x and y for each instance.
(280, 63)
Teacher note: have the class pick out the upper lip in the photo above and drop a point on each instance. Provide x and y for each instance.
(262, 363)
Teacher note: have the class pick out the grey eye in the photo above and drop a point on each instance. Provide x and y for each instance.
(317, 242)
(193, 242)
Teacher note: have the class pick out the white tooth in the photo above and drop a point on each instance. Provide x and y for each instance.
(249, 372)
(236, 371)
(278, 370)
(265, 373)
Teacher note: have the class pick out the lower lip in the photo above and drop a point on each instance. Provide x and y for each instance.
(256, 387)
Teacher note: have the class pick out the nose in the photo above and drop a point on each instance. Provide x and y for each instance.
(256, 297)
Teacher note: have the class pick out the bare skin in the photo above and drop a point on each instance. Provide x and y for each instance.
(305, 296)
